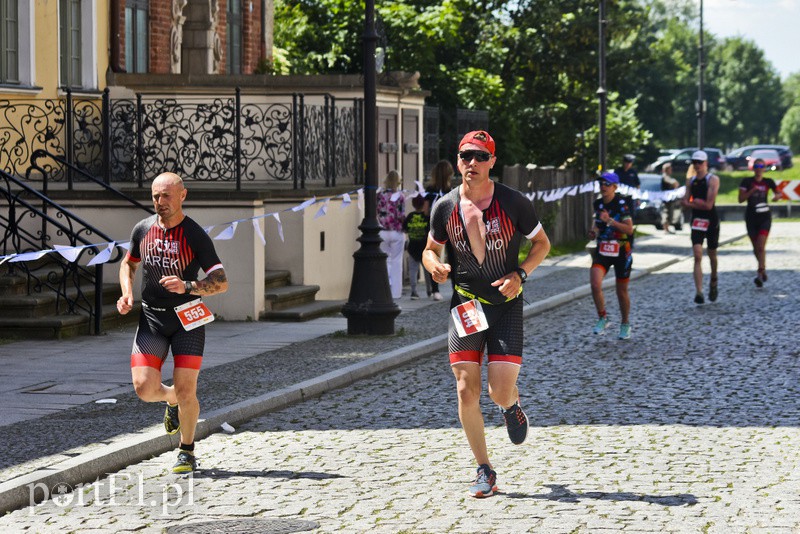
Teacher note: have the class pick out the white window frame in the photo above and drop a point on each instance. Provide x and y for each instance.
(89, 58)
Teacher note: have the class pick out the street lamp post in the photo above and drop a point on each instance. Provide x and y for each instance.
(701, 103)
(601, 91)
(370, 309)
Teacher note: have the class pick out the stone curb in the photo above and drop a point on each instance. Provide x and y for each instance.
(85, 468)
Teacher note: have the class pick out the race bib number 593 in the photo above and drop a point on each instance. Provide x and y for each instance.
(194, 314)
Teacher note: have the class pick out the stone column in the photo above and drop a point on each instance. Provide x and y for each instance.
(176, 35)
(202, 50)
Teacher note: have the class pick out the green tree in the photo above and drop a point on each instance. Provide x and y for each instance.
(790, 128)
(745, 101)
(624, 132)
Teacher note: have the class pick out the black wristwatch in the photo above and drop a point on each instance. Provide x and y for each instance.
(522, 274)
(188, 285)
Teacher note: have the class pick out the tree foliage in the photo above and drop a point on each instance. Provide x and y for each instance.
(533, 65)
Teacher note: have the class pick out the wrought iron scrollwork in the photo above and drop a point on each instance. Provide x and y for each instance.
(267, 141)
(26, 126)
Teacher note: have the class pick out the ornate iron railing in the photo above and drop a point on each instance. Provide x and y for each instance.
(201, 138)
(32, 222)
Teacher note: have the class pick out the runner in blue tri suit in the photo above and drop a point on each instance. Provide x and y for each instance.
(171, 247)
(757, 216)
(485, 223)
(612, 227)
(701, 197)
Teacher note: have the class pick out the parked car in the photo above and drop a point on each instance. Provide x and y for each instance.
(650, 211)
(683, 158)
(771, 158)
(737, 159)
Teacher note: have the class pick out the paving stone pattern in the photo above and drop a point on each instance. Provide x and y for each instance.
(690, 426)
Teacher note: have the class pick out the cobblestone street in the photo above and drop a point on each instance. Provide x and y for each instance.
(690, 426)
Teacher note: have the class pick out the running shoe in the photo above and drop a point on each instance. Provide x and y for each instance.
(171, 421)
(414, 296)
(485, 483)
(698, 299)
(437, 296)
(186, 463)
(516, 423)
(624, 331)
(601, 325)
(712, 291)
(758, 282)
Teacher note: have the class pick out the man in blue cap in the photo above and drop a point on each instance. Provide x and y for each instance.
(613, 229)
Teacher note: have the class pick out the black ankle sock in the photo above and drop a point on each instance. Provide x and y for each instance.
(188, 448)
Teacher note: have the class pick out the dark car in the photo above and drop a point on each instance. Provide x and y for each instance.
(682, 159)
(649, 211)
(739, 159)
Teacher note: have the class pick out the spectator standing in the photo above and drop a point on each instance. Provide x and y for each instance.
(668, 183)
(417, 226)
(441, 177)
(701, 197)
(757, 216)
(627, 173)
(391, 214)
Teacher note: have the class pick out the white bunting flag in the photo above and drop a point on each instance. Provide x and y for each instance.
(4, 259)
(346, 200)
(323, 210)
(395, 196)
(420, 189)
(304, 205)
(361, 199)
(69, 253)
(126, 245)
(573, 191)
(280, 226)
(208, 229)
(29, 256)
(105, 255)
(259, 233)
(228, 232)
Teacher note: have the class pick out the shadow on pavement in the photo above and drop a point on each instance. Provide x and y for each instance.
(561, 493)
(220, 474)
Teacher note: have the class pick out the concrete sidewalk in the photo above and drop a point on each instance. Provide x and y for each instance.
(54, 432)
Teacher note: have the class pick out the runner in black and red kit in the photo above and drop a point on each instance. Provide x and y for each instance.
(701, 197)
(485, 222)
(757, 216)
(172, 247)
(613, 228)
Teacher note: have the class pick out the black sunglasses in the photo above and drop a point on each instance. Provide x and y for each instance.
(468, 155)
(698, 161)
(606, 184)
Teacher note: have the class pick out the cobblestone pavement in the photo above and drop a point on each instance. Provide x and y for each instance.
(690, 426)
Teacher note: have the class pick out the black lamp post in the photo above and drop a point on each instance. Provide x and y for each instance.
(701, 102)
(370, 308)
(601, 91)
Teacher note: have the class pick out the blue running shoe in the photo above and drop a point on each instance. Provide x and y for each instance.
(625, 331)
(485, 483)
(601, 325)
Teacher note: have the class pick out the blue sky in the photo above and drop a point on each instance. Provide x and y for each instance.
(774, 25)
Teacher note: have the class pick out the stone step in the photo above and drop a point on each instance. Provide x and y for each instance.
(280, 298)
(305, 312)
(64, 326)
(44, 304)
(277, 279)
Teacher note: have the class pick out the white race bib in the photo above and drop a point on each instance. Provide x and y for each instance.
(194, 314)
(608, 248)
(469, 318)
(700, 224)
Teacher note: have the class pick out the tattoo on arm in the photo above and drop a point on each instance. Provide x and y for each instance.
(215, 282)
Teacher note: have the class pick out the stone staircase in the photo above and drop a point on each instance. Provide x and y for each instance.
(292, 303)
(40, 316)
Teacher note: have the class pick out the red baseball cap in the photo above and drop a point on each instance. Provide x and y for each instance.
(480, 138)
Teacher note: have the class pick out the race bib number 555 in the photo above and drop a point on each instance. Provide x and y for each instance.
(194, 314)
